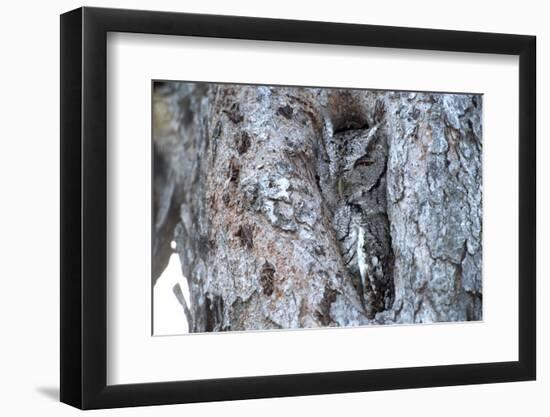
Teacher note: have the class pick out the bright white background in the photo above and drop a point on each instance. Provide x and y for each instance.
(29, 301)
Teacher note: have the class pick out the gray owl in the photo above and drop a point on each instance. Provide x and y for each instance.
(360, 219)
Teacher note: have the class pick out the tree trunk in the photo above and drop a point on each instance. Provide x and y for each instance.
(305, 207)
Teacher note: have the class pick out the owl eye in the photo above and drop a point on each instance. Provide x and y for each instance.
(363, 161)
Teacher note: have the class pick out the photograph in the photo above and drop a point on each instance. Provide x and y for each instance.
(296, 207)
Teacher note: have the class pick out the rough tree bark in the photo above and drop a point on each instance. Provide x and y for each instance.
(305, 207)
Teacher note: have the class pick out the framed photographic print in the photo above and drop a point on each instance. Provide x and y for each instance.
(256, 207)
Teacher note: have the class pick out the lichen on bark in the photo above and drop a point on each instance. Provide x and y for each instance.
(301, 207)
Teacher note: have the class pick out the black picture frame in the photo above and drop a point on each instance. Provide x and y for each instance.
(84, 207)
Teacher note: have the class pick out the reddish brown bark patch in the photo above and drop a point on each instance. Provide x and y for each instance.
(266, 278)
(245, 234)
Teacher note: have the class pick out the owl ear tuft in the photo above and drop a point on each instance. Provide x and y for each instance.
(371, 138)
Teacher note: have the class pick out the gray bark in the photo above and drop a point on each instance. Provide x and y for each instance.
(305, 207)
